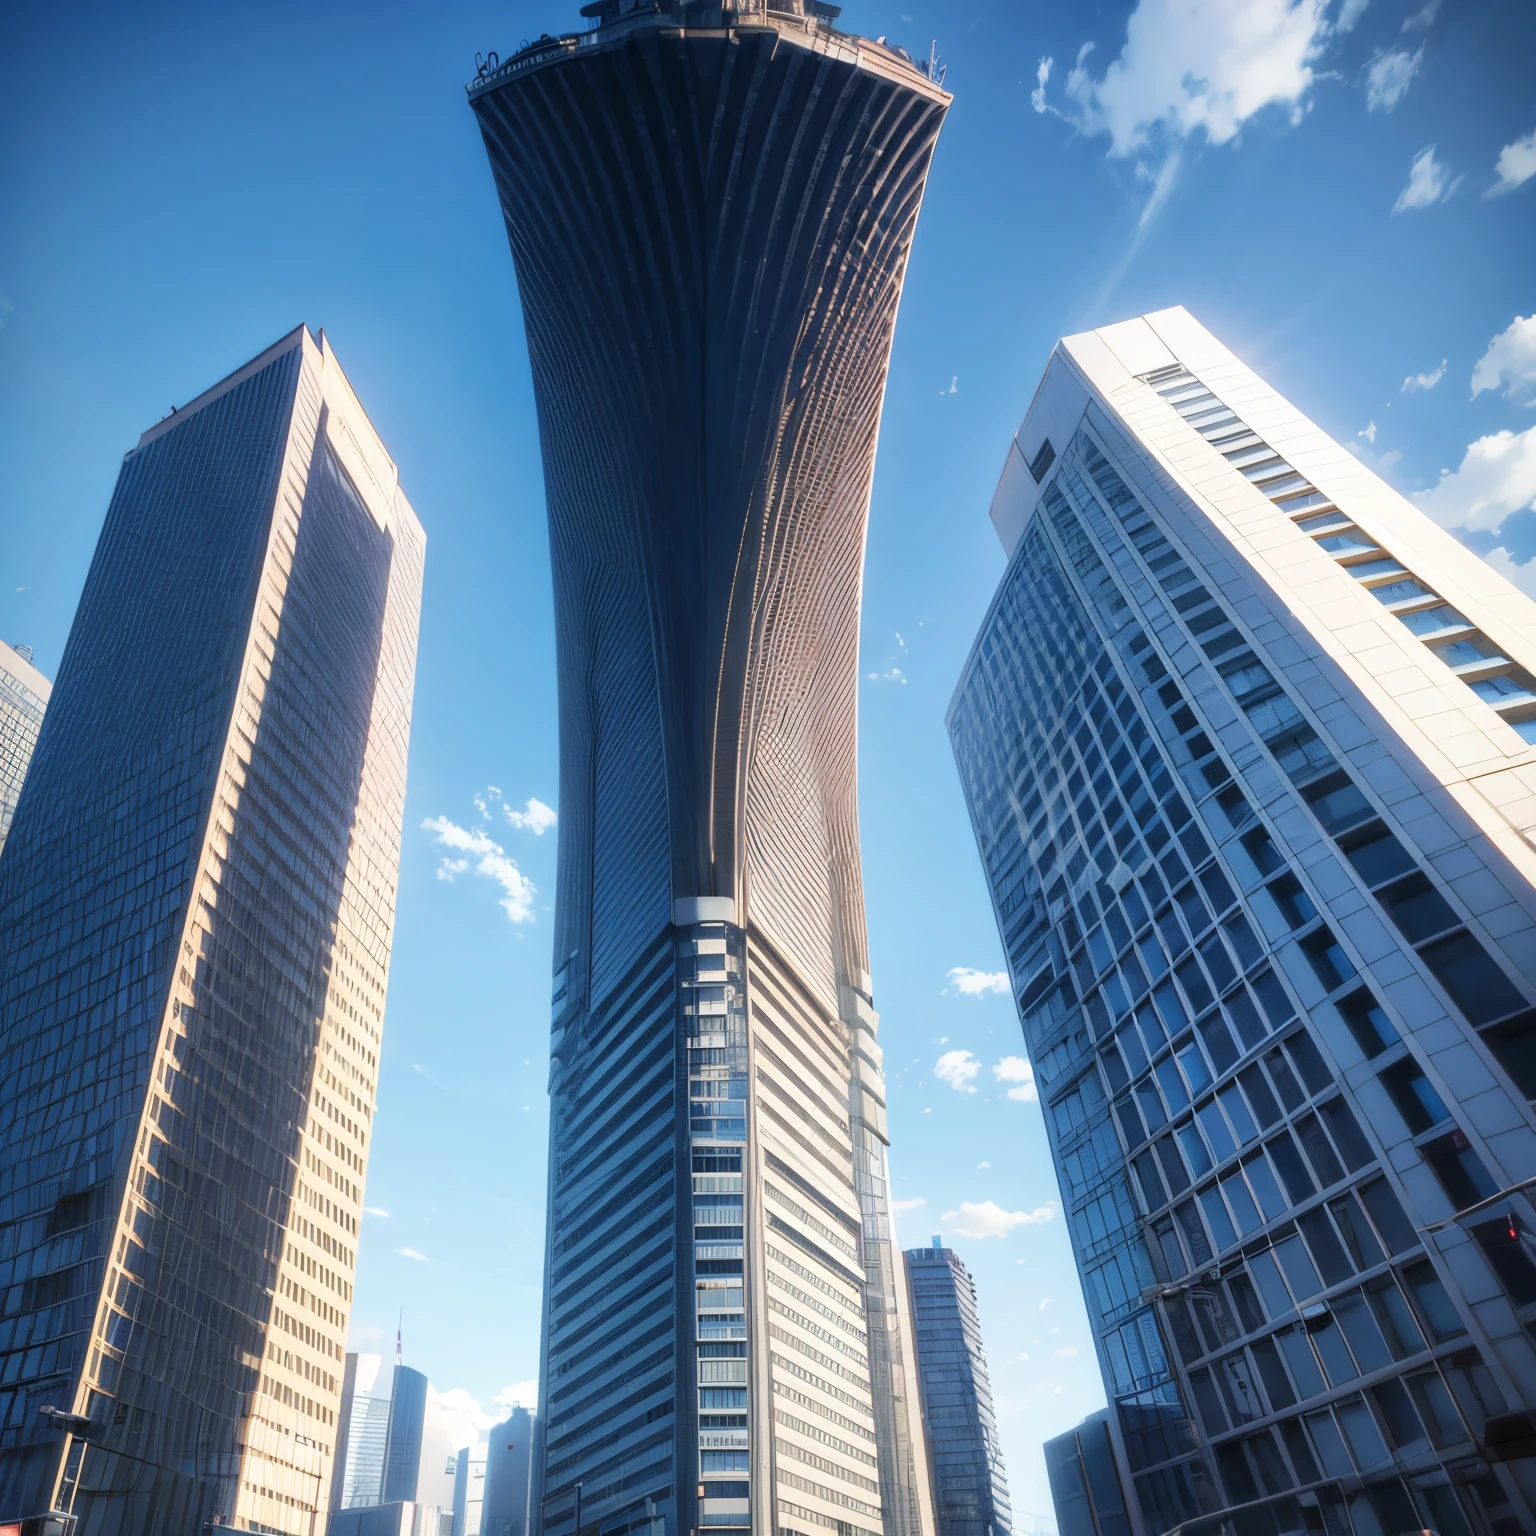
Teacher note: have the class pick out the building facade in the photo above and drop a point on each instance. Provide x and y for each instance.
(710, 208)
(468, 1491)
(970, 1486)
(196, 910)
(24, 694)
(1086, 1480)
(1247, 744)
(362, 1437)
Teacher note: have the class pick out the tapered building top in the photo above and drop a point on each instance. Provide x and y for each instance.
(710, 208)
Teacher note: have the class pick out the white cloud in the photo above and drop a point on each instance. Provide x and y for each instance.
(958, 1069)
(1350, 13)
(989, 1219)
(461, 1420)
(1423, 380)
(1388, 76)
(1045, 1301)
(1368, 432)
(1423, 18)
(374, 1210)
(1496, 477)
(983, 1165)
(1510, 362)
(895, 675)
(908, 1205)
(1066, 1351)
(412, 1253)
(1015, 1069)
(536, 817)
(1427, 183)
(524, 1392)
(969, 982)
(1203, 66)
(490, 860)
(1515, 166)
(1042, 74)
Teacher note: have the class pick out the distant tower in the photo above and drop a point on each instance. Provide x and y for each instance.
(24, 693)
(710, 206)
(970, 1487)
(509, 1461)
(1249, 746)
(196, 908)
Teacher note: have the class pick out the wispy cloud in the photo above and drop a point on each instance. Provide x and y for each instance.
(374, 1210)
(1422, 19)
(895, 675)
(1515, 166)
(1423, 380)
(413, 1253)
(478, 850)
(1349, 16)
(969, 982)
(989, 1219)
(1510, 362)
(1045, 1301)
(1388, 76)
(1066, 1351)
(535, 817)
(959, 1069)
(1042, 75)
(915, 1204)
(1368, 432)
(1016, 1070)
(1428, 183)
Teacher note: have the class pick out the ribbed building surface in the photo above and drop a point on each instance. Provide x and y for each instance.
(1247, 744)
(710, 210)
(196, 908)
(970, 1486)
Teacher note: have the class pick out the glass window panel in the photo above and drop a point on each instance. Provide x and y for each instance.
(1367, 1022)
(1326, 1339)
(1329, 1445)
(1302, 1361)
(1217, 1134)
(1364, 1248)
(1299, 1273)
(1194, 1149)
(1327, 1252)
(1217, 1219)
(1358, 1323)
(1433, 1302)
(1266, 1186)
(1245, 1019)
(1241, 1203)
(1308, 1061)
(1395, 1317)
(1293, 1172)
(1237, 1114)
(1218, 1041)
(1272, 1287)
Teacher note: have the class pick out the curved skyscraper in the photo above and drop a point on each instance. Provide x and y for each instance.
(710, 209)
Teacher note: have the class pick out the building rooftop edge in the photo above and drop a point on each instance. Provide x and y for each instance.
(810, 32)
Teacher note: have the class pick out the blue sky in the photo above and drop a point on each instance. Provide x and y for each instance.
(1320, 183)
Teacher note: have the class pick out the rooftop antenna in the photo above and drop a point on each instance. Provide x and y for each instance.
(399, 1330)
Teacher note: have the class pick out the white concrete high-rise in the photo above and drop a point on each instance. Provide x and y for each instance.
(1249, 746)
(24, 693)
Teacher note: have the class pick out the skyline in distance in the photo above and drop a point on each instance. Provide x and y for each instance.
(1022, 239)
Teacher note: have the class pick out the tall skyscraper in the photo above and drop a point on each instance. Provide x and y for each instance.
(1086, 1480)
(1247, 743)
(403, 1440)
(24, 693)
(508, 1465)
(362, 1437)
(196, 908)
(970, 1487)
(710, 207)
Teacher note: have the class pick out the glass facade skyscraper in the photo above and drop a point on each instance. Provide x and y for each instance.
(24, 694)
(1247, 745)
(970, 1487)
(710, 208)
(196, 908)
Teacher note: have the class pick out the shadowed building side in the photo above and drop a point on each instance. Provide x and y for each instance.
(711, 227)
